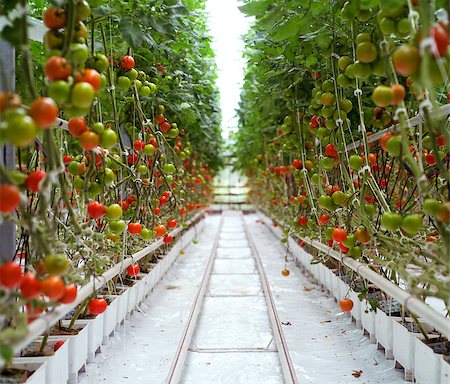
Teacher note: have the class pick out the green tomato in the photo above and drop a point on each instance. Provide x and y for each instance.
(21, 130)
(153, 87)
(355, 162)
(412, 224)
(114, 212)
(142, 169)
(114, 165)
(78, 183)
(432, 207)
(169, 168)
(327, 163)
(370, 209)
(173, 133)
(117, 227)
(391, 221)
(98, 127)
(138, 84)
(149, 150)
(95, 189)
(59, 91)
(82, 95)
(83, 10)
(132, 74)
(326, 202)
(340, 198)
(99, 62)
(73, 167)
(17, 177)
(394, 146)
(350, 241)
(144, 91)
(108, 138)
(109, 176)
(123, 82)
(146, 234)
(78, 53)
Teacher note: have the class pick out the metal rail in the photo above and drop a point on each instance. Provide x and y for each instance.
(283, 351)
(413, 122)
(42, 324)
(177, 366)
(409, 301)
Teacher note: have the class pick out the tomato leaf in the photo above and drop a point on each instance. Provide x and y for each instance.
(255, 8)
(286, 29)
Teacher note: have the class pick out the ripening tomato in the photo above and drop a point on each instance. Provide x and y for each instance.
(89, 140)
(54, 18)
(160, 230)
(134, 228)
(97, 306)
(339, 234)
(398, 92)
(53, 287)
(44, 112)
(346, 305)
(30, 286)
(133, 270)
(406, 59)
(285, 272)
(10, 274)
(362, 235)
(34, 179)
(96, 210)
(90, 76)
(9, 198)
(382, 96)
(77, 126)
(57, 68)
(70, 294)
(127, 62)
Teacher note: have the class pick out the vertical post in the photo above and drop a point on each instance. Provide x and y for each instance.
(7, 152)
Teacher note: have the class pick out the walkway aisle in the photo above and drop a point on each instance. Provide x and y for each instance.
(233, 342)
(142, 351)
(325, 346)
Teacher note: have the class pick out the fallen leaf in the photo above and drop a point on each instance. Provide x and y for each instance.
(172, 287)
(357, 373)
(325, 321)
(307, 289)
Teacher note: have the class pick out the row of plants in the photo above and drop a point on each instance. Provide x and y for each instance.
(322, 78)
(115, 129)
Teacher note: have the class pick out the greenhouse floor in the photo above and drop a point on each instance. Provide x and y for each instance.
(234, 340)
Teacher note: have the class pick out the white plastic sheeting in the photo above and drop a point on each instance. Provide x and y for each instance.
(142, 351)
(325, 346)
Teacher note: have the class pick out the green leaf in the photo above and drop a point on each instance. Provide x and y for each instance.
(6, 353)
(286, 29)
(255, 8)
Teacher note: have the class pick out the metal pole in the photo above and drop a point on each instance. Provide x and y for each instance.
(7, 152)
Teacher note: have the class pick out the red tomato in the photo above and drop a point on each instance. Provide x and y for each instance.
(53, 287)
(30, 286)
(9, 198)
(330, 151)
(315, 121)
(97, 306)
(133, 270)
(124, 205)
(430, 159)
(90, 76)
(10, 274)
(324, 219)
(343, 248)
(132, 159)
(297, 164)
(139, 145)
(160, 118)
(163, 200)
(339, 234)
(183, 211)
(44, 112)
(77, 126)
(54, 18)
(96, 210)
(67, 159)
(57, 68)
(58, 345)
(70, 294)
(127, 62)
(157, 211)
(134, 228)
(303, 220)
(34, 179)
(165, 127)
(172, 224)
(346, 305)
(168, 239)
(441, 39)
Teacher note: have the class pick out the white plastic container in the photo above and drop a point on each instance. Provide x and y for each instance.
(445, 371)
(356, 310)
(37, 367)
(122, 305)
(383, 332)
(368, 320)
(427, 364)
(57, 370)
(110, 317)
(78, 350)
(95, 332)
(403, 348)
